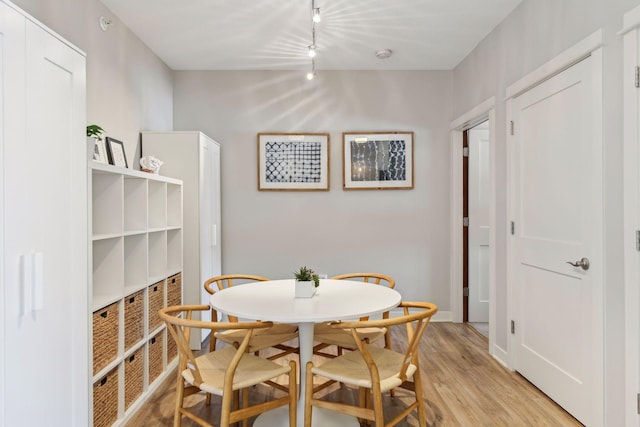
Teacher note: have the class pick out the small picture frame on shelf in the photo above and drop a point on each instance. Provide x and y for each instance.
(115, 150)
(99, 152)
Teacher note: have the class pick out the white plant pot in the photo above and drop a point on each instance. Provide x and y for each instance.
(305, 289)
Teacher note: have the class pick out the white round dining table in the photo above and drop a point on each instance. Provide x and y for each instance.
(274, 300)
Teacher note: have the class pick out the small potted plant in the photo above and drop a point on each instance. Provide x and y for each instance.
(95, 150)
(307, 282)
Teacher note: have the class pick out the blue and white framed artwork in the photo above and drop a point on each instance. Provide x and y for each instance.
(377, 160)
(293, 161)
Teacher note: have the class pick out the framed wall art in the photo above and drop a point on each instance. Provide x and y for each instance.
(377, 160)
(293, 161)
(115, 152)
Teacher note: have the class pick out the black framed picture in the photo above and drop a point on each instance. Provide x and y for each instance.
(115, 152)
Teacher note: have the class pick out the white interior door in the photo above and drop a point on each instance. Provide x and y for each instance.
(557, 205)
(631, 97)
(478, 138)
(45, 230)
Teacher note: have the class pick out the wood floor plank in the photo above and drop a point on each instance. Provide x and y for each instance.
(463, 385)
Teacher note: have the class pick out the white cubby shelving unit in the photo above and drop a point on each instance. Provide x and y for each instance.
(136, 262)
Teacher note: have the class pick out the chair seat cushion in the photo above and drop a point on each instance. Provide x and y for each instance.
(342, 337)
(262, 338)
(350, 368)
(251, 370)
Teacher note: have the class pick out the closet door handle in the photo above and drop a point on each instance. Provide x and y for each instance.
(582, 263)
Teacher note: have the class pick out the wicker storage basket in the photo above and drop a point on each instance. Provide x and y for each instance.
(172, 348)
(105, 399)
(133, 319)
(105, 336)
(155, 356)
(174, 290)
(156, 302)
(133, 377)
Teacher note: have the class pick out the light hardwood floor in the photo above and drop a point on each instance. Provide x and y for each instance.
(464, 386)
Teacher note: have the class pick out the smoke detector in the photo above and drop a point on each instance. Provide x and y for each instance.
(383, 53)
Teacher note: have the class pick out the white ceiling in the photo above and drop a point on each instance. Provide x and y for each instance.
(274, 34)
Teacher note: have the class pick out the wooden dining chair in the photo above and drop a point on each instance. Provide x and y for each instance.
(326, 336)
(374, 369)
(274, 337)
(228, 372)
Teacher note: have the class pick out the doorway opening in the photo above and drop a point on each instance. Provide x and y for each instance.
(484, 115)
(476, 229)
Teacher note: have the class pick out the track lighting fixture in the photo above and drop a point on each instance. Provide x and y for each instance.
(312, 74)
(315, 17)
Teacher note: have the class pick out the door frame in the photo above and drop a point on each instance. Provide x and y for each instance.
(482, 112)
(591, 46)
(631, 196)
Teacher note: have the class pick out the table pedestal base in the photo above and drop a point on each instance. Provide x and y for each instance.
(279, 417)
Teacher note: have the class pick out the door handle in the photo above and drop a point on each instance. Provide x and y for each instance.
(583, 263)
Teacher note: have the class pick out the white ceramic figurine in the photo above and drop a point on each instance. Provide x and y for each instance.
(151, 164)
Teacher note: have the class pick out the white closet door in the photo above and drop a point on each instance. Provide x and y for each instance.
(558, 220)
(45, 229)
(631, 97)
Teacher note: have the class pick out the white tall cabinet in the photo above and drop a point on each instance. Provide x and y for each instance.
(194, 158)
(44, 372)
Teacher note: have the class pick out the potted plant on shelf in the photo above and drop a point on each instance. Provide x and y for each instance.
(94, 140)
(307, 282)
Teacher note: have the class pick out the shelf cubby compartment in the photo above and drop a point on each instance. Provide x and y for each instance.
(157, 204)
(133, 376)
(174, 205)
(105, 399)
(135, 267)
(106, 324)
(108, 268)
(156, 302)
(107, 218)
(157, 256)
(174, 250)
(174, 290)
(172, 348)
(133, 319)
(156, 362)
(135, 204)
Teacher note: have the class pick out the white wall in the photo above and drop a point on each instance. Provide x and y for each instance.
(403, 233)
(533, 34)
(129, 89)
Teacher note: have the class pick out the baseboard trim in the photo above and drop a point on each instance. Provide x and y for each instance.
(442, 316)
(500, 355)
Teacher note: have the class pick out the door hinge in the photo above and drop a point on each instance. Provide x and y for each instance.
(512, 127)
(638, 240)
(638, 398)
(513, 228)
(637, 76)
(465, 291)
(513, 326)
(465, 221)
(465, 151)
